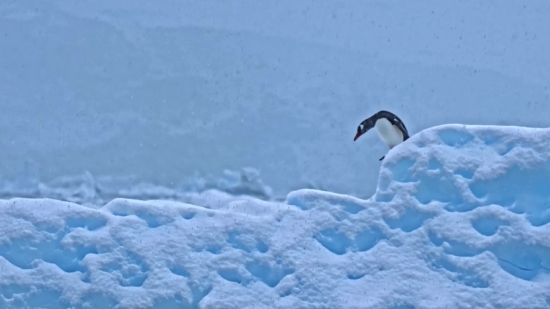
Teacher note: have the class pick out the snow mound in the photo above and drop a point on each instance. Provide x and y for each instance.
(94, 191)
(459, 220)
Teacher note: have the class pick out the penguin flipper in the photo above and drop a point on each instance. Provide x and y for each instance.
(397, 122)
(382, 158)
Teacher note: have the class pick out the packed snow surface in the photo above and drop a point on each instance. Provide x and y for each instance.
(460, 219)
(160, 91)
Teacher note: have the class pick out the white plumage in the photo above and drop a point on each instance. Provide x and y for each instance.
(388, 133)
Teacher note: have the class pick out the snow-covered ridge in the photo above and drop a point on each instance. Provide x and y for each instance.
(95, 191)
(460, 219)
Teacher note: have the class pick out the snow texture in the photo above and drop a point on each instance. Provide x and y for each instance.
(460, 219)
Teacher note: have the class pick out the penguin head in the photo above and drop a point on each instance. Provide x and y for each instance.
(366, 125)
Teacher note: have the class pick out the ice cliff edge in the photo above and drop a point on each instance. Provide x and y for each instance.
(460, 219)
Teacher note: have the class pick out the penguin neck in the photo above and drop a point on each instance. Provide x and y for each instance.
(388, 133)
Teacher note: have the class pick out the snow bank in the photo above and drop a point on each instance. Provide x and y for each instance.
(459, 220)
(89, 190)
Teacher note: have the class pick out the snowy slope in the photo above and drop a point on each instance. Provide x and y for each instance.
(166, 90)
(460, 219)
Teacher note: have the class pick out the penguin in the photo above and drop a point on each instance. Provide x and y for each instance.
(390, 128)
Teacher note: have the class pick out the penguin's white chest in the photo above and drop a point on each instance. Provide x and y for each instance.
(388, 133)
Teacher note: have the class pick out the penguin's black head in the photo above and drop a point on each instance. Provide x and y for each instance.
(366, 125)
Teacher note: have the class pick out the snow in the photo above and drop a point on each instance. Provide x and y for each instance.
(155, 92)
(190, 154)
(460, 219)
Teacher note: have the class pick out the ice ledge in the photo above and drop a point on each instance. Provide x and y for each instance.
(460, 219)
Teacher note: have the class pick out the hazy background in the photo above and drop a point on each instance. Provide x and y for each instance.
(166, 92)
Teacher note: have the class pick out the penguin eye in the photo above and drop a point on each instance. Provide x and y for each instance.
(361, 127)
